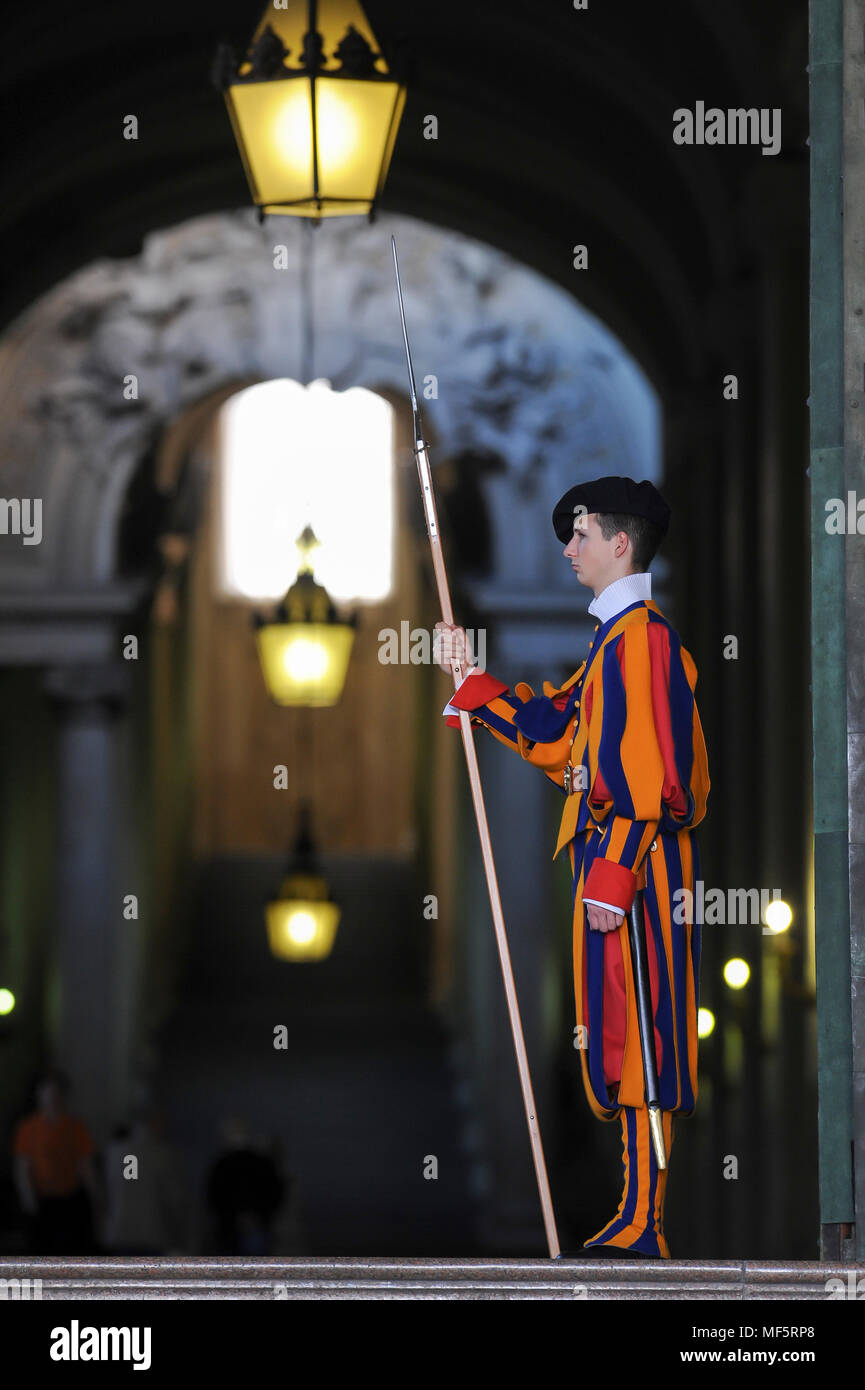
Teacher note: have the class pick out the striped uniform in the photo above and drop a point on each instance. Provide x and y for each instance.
(624, 729)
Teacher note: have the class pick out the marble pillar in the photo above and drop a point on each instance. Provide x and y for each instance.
(88, 1043)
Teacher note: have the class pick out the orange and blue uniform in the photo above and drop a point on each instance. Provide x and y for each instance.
(622, 738)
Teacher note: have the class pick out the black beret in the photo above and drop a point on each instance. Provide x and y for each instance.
(621, 495)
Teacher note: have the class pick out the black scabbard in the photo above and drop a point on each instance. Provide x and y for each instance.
(643, 992)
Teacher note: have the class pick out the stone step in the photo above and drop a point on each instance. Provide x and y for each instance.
(406, 1279)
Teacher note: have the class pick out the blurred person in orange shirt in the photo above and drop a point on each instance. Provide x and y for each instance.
(54, 1173)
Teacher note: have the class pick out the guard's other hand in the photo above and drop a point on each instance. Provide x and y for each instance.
(601, 919)
(451, 642)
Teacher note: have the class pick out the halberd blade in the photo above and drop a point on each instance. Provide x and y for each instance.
(415, 407)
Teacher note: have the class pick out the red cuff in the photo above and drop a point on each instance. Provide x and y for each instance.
(478, 688)
(611, 882)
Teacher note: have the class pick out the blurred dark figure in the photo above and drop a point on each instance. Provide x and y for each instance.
(144, 1211)
(244, 1193)
(54, 1173)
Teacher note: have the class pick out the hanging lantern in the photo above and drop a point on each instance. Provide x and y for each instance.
(314, 108)
(304, 650)
(303, 918)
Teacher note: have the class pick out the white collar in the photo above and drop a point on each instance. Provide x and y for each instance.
(620, 595)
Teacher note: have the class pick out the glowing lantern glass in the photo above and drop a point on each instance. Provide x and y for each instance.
(304, 651)
(302, 920)
(314, 108)
(301, 927)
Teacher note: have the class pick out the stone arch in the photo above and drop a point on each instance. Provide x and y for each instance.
(519, 368)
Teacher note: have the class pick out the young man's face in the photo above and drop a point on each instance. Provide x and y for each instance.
(597, 562)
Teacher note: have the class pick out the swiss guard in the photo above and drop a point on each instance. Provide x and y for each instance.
(622, 741)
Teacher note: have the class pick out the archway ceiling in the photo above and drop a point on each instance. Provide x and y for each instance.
(555, 127)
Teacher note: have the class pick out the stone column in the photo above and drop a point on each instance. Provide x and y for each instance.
(853, 88)
(837, 423)
(88, 897)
